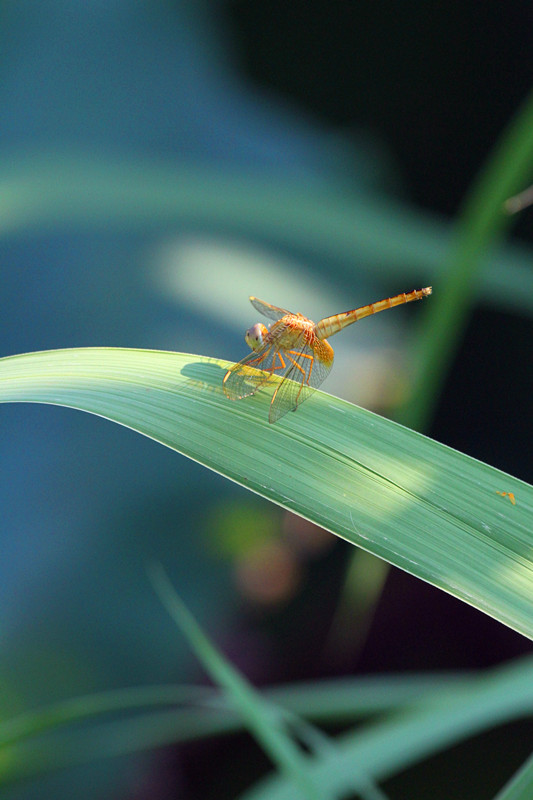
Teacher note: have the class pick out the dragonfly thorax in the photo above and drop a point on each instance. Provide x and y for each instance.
(255, 336)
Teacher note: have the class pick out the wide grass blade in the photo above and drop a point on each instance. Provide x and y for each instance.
(424, 507)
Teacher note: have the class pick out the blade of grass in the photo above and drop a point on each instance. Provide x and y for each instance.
(422, 506)
(31, 745)
(327, 701)
(481, 224)
(261, 719)
(520, 787)
(58, 715)
(340, 700)
(385, 748)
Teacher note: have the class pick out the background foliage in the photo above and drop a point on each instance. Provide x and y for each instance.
(161, 162)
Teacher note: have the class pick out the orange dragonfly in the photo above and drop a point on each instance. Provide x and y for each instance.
(296, 350)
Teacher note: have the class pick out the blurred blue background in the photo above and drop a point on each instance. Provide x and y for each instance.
(160, 162)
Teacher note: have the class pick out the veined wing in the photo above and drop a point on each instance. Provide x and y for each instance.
(252, 372)
(300, 368)
(303, 373)
(272, 312)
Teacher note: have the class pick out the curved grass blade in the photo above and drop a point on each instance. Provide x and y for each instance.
(424, 507)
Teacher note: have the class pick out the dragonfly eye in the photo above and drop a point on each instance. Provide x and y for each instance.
(255, 336)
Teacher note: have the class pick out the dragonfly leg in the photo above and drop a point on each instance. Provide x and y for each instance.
(298, 366)
(282, 364)
(260, 359)
(305, 377)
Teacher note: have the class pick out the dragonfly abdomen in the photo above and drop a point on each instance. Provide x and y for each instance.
(331, 325)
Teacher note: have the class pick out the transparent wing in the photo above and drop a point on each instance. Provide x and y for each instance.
(272, 312)
(303, 373)
(300, 368)
(252, 372)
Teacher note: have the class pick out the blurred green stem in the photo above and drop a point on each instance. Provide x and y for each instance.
(482, 223)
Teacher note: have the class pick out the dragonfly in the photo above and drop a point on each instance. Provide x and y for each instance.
(295, 350)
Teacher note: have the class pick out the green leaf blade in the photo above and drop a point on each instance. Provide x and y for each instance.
(424, 507)
(520, 787)
(262, 720)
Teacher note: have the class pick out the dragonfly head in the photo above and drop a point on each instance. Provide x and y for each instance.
(255, 336)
